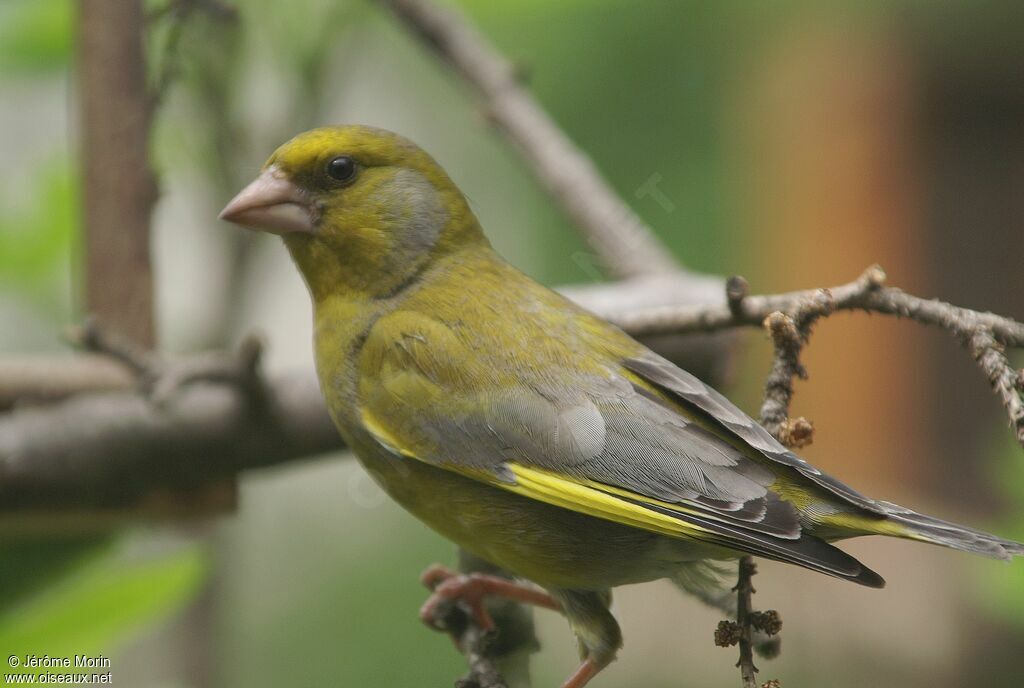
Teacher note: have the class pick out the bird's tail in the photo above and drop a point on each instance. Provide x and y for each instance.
(914, 526)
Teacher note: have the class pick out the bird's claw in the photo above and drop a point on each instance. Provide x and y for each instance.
(450, 587)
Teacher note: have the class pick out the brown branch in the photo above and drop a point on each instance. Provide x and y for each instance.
(626, 246)
(1007, 382)
(92, 438)
(115, 451)
(789, 324)
(119, 189)
(131, 423)
(791, 315)
(868, 293)
(744, 590)
(160, 378)
(748, 625)
(778, 387)
(473, 641)
(47, 379)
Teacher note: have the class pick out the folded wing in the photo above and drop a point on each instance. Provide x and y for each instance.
(602, 443)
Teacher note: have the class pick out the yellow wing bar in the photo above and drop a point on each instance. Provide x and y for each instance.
(568, 493)
(580, 495)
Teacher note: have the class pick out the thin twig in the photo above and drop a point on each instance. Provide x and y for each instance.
(626, 246)
(778, 386)
(176, 13)
(866, 293)
(744, 590)
(748, 625)
(160, 378)
(1007, 382)
(985, 335)
(91, 337)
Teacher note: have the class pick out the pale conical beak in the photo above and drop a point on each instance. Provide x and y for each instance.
(273, 204)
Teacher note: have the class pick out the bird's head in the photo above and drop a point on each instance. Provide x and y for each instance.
(360, 209)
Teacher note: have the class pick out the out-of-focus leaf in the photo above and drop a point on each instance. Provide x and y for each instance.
(35, 35)
(30, 564)
(34, 243)
(106, 601)
(1002, 591)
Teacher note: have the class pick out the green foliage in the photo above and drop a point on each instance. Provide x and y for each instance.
(35, 35)
(31, 564)
(101, 603)
(600, 90)
(35, 242)
(1001, 591)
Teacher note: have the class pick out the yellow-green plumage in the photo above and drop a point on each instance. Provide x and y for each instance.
(525, 429)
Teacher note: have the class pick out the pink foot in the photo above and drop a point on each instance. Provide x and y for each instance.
(473, 589)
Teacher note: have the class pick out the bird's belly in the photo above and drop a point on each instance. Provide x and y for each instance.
(551, 546)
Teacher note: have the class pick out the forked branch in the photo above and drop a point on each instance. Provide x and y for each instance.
(789, 318)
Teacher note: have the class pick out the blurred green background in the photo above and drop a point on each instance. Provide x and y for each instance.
(796, 141)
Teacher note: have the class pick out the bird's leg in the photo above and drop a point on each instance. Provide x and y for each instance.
(596, 630)
(582, 676)
(473, 589)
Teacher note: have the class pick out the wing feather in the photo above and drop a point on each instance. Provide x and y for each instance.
(687, 388)
(597, 443)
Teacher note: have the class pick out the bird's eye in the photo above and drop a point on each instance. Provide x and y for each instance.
(341, 169)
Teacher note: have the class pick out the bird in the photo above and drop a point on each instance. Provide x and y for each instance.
(522, 427)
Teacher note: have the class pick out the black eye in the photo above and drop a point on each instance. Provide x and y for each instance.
(342, 169)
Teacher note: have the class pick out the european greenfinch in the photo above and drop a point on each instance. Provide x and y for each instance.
(525, 429)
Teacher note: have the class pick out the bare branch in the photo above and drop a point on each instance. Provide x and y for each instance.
(627, 247)
(866, 293)
(778, 387)
(85, 452)
(151, 424)
(46, 379)
(748, 625)
(115, 451)
(160, 378)
(1007, 383)
(744, 590)
(789, 318)
(119, 190)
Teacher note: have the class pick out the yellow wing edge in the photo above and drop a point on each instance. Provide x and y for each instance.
(582, 496)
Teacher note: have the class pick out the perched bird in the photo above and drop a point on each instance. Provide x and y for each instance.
(527, 430)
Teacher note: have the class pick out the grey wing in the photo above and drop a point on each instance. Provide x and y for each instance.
(612, 432)
(694, 393)
(606, 431)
